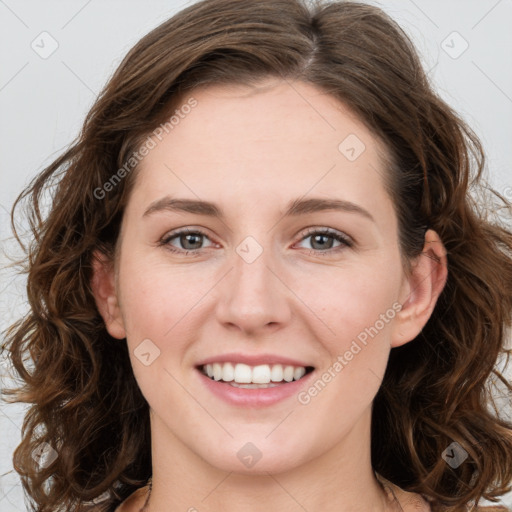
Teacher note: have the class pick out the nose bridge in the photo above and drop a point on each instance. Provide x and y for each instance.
(252, 296)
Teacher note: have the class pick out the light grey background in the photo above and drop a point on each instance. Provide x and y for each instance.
(44, 98)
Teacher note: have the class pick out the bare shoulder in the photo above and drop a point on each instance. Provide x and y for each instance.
(133, 503)
(408, 501)
(412, 502)
(101, 506)
(98, 507)
(494, 508)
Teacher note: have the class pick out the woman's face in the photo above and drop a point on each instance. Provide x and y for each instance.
(237, 271)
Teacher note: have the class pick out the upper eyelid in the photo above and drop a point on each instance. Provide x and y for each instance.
(328, 231)
(185, 231)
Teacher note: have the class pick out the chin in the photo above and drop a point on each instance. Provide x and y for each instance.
(256, 457)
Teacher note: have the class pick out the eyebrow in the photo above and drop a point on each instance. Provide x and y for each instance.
(294, 208)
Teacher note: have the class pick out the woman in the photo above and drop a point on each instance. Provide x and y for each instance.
(262, 283)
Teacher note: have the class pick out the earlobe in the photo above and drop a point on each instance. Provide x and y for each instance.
(105, 295)
(421, 290)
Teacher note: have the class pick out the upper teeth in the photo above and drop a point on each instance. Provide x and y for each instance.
(245, 374)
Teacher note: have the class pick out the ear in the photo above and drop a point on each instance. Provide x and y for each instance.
(105, 295)
(420, 290)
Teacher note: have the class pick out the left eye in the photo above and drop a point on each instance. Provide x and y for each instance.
(188, 239)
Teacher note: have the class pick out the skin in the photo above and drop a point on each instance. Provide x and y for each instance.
(251, 151)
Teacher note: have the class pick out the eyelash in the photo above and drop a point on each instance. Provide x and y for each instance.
(346, 241)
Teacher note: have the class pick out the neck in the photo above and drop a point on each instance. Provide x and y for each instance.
(339, 480)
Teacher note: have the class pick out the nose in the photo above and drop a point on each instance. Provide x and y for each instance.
(253, 297)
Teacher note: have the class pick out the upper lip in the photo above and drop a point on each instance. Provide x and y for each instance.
(253, 359)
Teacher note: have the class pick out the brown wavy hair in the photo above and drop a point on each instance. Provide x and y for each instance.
(438, 389)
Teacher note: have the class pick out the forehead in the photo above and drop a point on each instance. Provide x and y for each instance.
(294, 120)
(272, 140)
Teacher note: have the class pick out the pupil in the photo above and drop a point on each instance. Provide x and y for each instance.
(184, 240)
(322, 236)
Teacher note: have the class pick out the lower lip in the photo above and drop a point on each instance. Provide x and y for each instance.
(255, 397)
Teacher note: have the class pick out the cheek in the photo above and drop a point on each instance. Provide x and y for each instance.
(358, 308)
(351, 301)
(155, 297)
(157, 305)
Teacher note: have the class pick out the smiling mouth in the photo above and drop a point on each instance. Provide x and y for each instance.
(254, 377)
